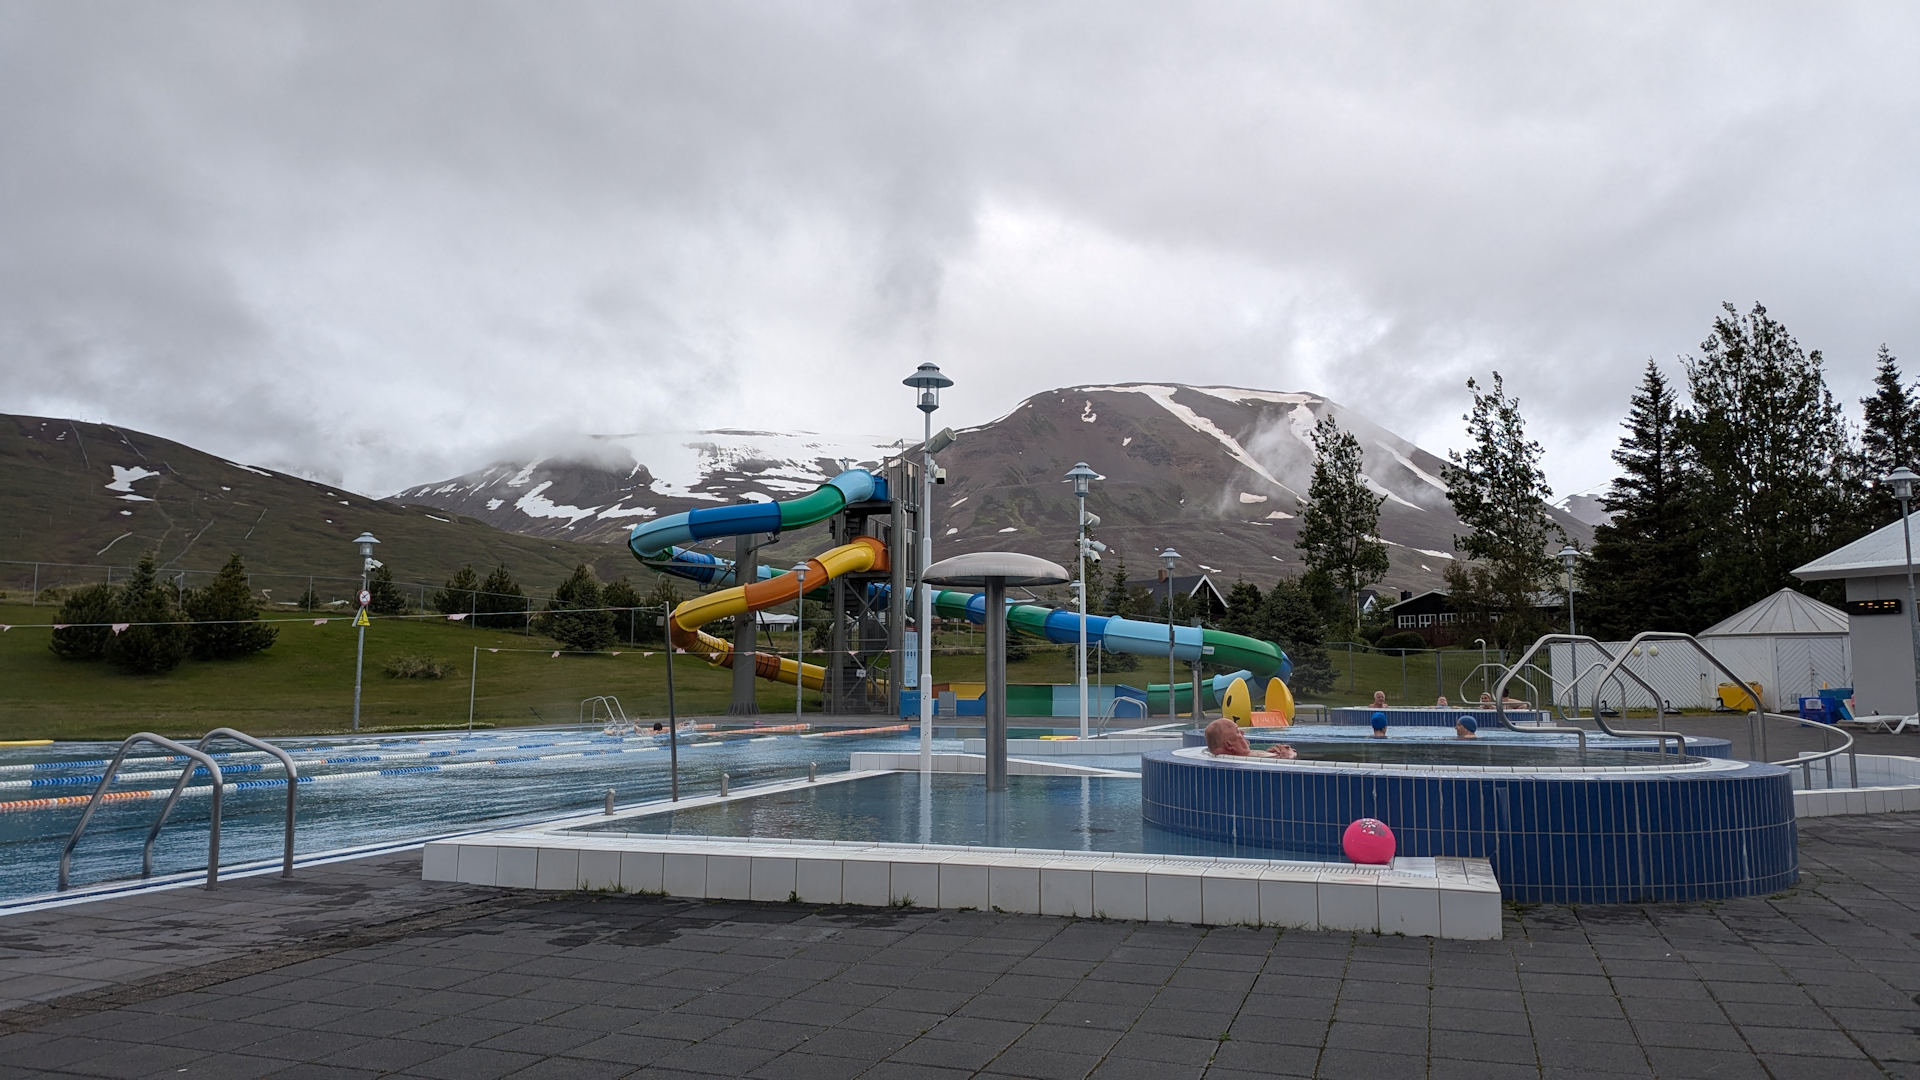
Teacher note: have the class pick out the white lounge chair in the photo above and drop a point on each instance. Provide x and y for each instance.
(1884, 725)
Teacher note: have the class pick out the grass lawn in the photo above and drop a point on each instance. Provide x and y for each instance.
(304, 683)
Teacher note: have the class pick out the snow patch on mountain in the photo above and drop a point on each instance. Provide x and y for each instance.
(534, 504)
(125, 475)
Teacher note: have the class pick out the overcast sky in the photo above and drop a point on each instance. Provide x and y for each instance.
(382, 243)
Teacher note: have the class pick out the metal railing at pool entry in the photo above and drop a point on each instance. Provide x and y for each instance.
(1467, 695)
(590, 710)
(195, 756)
(1756, 731)
(1499, 693)
(293, 793)
(1107, 714)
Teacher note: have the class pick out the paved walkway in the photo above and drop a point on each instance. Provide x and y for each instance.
(360, 969)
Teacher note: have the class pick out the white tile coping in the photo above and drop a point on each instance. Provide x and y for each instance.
(1105, 746)
(1699, 765)
(1890, 784)
(1431, 897)
(909, 761)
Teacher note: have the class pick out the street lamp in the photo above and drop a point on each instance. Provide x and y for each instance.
(1169, 556)
(365, 542)
(799, 639)
(1082, 477)
(928, 380)
(1568, 555)
(1902, 479)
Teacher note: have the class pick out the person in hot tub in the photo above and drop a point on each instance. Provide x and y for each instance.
(1465, 727)
(1225, 739)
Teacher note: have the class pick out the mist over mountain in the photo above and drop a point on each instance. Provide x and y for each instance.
(1216, 472)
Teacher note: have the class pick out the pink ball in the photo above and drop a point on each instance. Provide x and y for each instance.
(1368, 842)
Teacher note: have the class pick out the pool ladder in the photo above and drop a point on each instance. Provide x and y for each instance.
(197, 760)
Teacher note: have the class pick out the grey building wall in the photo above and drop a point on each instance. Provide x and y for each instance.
(1882, 649)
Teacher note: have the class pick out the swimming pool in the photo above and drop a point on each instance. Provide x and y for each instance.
(1056, 813)
(363, 791)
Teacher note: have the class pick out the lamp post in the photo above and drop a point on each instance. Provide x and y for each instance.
(1082, 477)
(1902, 479)
(799, 639)
(1169, 556)
(929, 382)
(1568, 556)
(365, 542)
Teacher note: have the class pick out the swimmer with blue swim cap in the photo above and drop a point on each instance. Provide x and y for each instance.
(1465, 727)
(1379, 722)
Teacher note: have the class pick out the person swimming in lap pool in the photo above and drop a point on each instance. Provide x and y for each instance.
(1225, 739)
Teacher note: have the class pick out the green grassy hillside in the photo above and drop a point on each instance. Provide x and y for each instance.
(95, 494)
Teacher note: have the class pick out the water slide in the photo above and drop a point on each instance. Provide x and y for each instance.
(1250, 656)
(657, 544)
(865, 553)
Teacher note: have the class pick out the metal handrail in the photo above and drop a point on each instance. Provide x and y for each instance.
(1756, 713)
(590, 709)
(1610, 675)
(205, 761)
(293, 791)
(1500, 697)
(1107, 715)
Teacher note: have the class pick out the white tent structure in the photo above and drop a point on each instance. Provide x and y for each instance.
(1791, 644)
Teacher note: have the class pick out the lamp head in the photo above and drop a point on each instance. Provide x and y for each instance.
(366, 540)
(1169, 556)
(1902, 480)
(928, 380)
(1081, 477)
(1568, 556)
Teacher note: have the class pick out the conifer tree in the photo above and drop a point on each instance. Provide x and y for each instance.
(1890, 436)
(1243, 609)
(1770, 444)
(1340, 519)
(84, 623)
(1290, 618)
(660, 600)
(1644, 561)
(620, 596)
(458, 598)
(501, 603)
(574, 616)
(226, 618)
(155, 642)
(1500, 494)
(386, 595)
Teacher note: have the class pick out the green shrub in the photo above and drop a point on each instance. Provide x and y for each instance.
(1401, 643)
(418, 667)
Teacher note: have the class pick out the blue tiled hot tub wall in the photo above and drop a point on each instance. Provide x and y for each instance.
(1582, 838)
(1361, 717)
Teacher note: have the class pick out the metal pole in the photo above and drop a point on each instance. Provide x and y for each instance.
(360, 648)
(996, 684)
(1172, 713)
(473, 680)
(1082, 657)
(925, 595)
(34, 599)
(799, 640)
(1913, 617)
(673, 723)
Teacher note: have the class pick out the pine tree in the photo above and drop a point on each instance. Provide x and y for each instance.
(1340, 519)
(458, 598)
(1243, 609)
(309, 600)
(1500, 494)
(501, 603)
(1644, 561)
(155, 642)
(574, 616)
(226, 618)
(1290, 618)
(1121, 599)
(620, 596)
(386, 595)
(1890, 436)
(84, 622)
(1770, 443)
(660, 600)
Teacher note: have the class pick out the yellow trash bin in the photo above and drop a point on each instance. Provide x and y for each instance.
(1735, 697)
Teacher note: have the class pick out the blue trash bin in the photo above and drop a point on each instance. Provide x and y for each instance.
(1835, 698)
(1813, 708)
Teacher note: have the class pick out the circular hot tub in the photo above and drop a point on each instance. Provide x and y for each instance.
(1559, 826)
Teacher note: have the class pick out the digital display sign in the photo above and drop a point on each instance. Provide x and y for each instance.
(1873, 607)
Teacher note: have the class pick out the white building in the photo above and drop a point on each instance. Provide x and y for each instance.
(1874, 568)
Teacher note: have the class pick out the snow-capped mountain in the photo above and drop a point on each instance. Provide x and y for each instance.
(1586, 509)
(1216, 472)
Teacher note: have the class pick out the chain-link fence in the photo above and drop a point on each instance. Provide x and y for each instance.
(37, 582)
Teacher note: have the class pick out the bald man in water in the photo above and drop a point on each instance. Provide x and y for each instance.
(1225, 739)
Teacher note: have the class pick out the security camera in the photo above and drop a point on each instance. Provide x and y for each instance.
(374, 564)
(1093, 520)
(939, 476)
(940, 441)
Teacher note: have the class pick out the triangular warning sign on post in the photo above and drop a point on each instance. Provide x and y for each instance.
(361, 619)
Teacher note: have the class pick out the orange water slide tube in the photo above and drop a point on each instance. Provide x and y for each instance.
(863, 554)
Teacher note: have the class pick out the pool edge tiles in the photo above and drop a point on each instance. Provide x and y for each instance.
(1445, 897)
(1708, 830)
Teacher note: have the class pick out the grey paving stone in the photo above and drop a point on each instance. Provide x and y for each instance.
(798, 1066)
(1175, 1049)
(1265, 1059)
(474, 1063)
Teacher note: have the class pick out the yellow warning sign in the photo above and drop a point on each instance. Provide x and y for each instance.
(361, 619)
